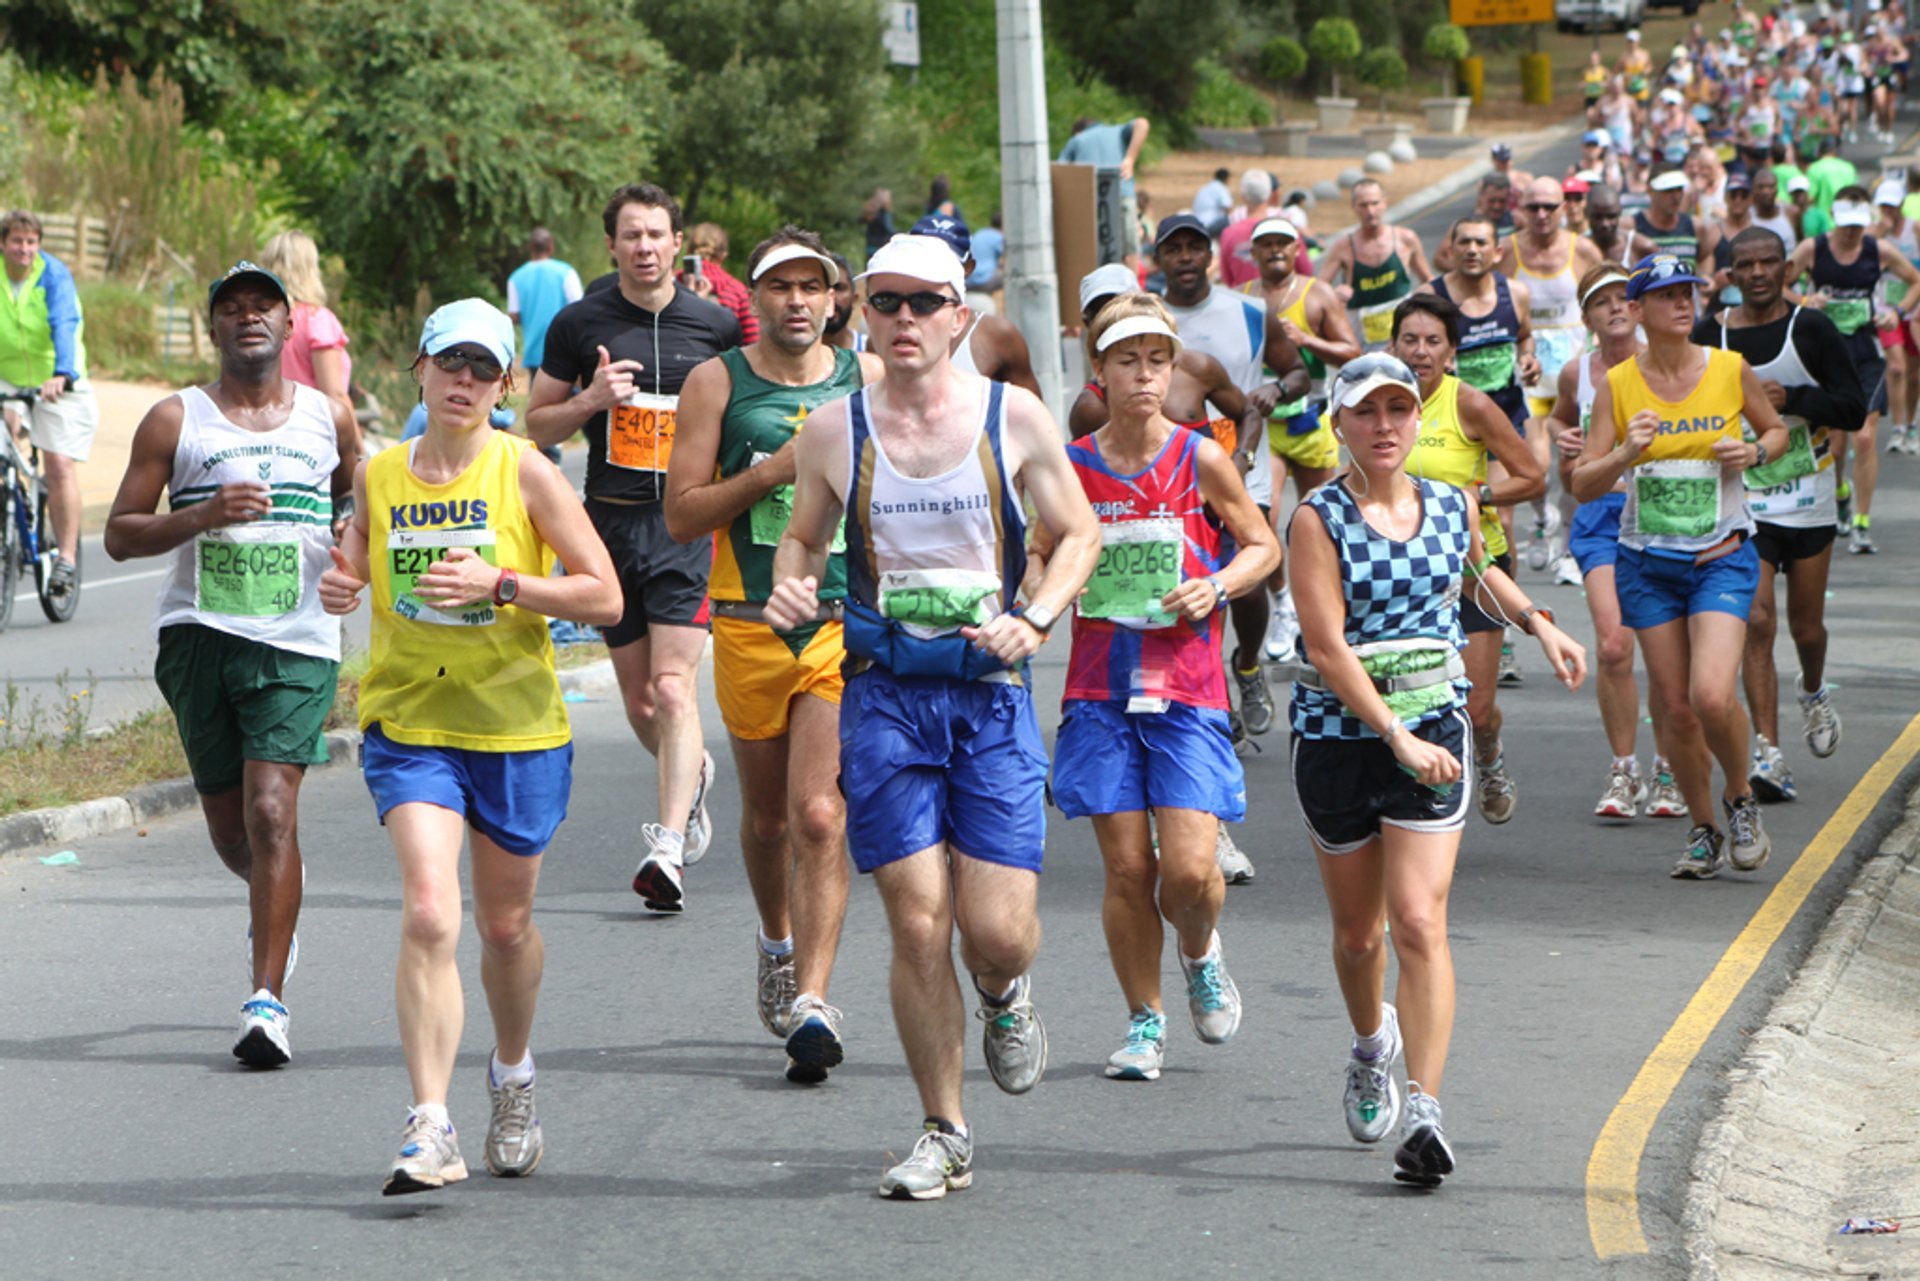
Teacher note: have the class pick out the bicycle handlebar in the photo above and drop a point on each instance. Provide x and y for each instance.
(25, 395)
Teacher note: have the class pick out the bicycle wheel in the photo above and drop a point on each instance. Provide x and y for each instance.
(58, 609)
(9, 546)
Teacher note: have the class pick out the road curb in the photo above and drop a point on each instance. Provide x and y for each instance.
(1773, 1046)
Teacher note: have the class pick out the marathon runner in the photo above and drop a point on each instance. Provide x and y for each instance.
(1461, 431)
(1664, 221)
(1846, 266)
(466, 739)
(614, 366)
(941, 759)
(1902, 354)
(1792, 497)
(1593, 541)
(1143, 747)
(1380, 265)
(991, 346)
(779, 692)
(840, 332)
(253, 467)
(1615, 243)
(1379, 741)
(1716, 241)
(1686, 568)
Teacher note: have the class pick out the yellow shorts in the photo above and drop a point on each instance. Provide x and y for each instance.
(1316, 449)
(756, 676)
(1541, 406)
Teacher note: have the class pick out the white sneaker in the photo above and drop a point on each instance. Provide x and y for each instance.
(1566, 572)
(1234, 865)
(699, 825)
(263, 1032)
(660, 878)
(1821, 723)
(1372, 1098)
(1283, 630)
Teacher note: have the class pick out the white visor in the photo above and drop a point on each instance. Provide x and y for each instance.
(1276, 227)
(1671, 180)
(1135, 327)
(1615, 277)
(1851, 213)
(795, 253)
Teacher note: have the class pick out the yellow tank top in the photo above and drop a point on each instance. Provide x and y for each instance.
(1443, 452)
(1678, 497)
(479, 678)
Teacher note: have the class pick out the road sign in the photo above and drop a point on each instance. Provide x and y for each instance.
(902, 38)
(1495, 13)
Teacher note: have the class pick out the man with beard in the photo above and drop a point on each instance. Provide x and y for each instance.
(839, 329)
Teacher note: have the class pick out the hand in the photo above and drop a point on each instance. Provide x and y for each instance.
(340, 586)
(1194, 598)
(1126, 171)
(1432, 764)
(1571, 440)
(1529, 370)
(1776, 394)
(236, 504)
(53, 389)
(698, 286)
(1343, 292)
(792, 602)
(1735, 455)
(1885, 318)
(612, 380)
(1641, 429)
(1008, 637)
(1243, 457)
(1564, 654)
(779, 468)
(1263, 398)
(458, 579)
(1294, 333)
(1816, 300)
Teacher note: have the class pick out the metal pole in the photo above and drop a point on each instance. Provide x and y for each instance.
(1026, 195)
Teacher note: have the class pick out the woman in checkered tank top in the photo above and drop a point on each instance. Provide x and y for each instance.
(1379, 740)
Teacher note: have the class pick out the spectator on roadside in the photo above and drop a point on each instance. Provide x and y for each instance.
(989, 259)
(940, 198)
(536, 291)
(708, 241)
(316, 352)
(1236, 242)
(1213, 202)
(877, 214)
(1113, 147)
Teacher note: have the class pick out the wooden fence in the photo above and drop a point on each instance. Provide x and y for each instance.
(77, 240)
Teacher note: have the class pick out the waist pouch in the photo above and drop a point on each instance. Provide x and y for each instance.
(880, 640)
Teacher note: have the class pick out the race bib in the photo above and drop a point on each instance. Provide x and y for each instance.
(1488, 368)
(640, 431)
(411, 552)
(1225, 432)
(938, 600)
(1677, 498)
(255, 574)
(1376, 323)
(1795, 462)
(1139, 564)
(1849, 314)
(767, 520)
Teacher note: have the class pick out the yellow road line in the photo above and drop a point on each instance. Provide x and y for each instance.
(1613, 1169)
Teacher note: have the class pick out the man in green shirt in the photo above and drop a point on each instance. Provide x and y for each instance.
(1812, 219)
(1829, 174)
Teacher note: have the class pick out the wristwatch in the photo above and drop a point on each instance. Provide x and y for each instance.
(1759, 454)
(1486, 495)
(506, 588)
(1039, 617)
(1527, 616)
(1219, 591)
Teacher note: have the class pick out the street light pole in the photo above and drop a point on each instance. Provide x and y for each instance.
(1026, 195)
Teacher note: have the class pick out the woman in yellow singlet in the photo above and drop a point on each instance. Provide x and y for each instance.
(1669, 422)
(1460, 429)
(465, 732)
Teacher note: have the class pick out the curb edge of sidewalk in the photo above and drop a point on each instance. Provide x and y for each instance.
(66, 824)
(1773, 1045)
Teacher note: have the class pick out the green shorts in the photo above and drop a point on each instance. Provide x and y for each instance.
(238, 700)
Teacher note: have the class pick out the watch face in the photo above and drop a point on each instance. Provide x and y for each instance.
(508, 589)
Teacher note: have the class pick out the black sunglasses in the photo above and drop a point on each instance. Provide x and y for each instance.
(485, 368)
(1541, 208)
(924, 303)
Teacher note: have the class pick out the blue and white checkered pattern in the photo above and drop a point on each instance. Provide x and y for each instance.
(1393, 591)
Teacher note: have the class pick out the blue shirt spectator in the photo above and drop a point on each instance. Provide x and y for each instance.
(1107, 146)
(536, 292)
(1213, 203)
(989, 247)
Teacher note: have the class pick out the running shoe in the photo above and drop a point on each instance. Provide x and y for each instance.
(1141, 1058)
(1372, 1099)
(61, 580)
(1540, 547)
(699, 824)
(1498, 792)
(1860, 542)
(1015, 1040)
(1623, 795)
(1510, 673)
(1771, 779)
(429, 1157)
(1234, 864)
(1424, 1157)
(1843, 503)
(660, 878)
(1747, 842)
(1821, 723)
(514, 1145)
(263, 1032)
(293, 958)
(813, 1048)
(774, 990)
(1566, 572)
(939, 1163)
(1702, 859)
(1664, 800)
(1897, 440)
(1237, 734)
(1213, 1000)
(1256, 700)
(1283, 631)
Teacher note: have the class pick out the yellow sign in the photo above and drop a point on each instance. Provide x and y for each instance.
(1494, 13)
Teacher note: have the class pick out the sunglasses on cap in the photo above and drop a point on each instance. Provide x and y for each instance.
(485, 368)
(924, 303)
(1377, 365)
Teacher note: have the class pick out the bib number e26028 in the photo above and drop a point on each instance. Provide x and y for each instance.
(640, 431)
(410, 553)
(1677, 498)
(246, 578)
(1140, 562)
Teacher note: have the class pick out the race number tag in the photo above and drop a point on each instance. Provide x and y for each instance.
(1376, 323)
(1849, 314)
(767, 519)
(1139, 564)
(1225, 432)
(640, 431)
(247, 574)
(932, 601)
(1677, 498)
(1797, 461)
(411, 552)
(1488, 368)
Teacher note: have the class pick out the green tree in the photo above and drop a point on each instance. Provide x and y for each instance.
(1151, 49)
(1383, 69)
(1334, 43)
(1445, 44)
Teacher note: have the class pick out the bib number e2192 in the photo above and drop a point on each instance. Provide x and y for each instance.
(411, 553)
(247, 579)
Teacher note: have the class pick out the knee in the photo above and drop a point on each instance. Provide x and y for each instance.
(430, 924)
(1420, 931)
(1808, 633)
(1133, 875)
(766, 826)
(999, 948)
(673, 693)
(922, 940)
(270, 818)
(1357, 944)
(505, 931)
(821, 819)
(1714, 706)
(638, 699)
(1481, 708)
(1190, 883)
(1616, 651)
(1761, 618)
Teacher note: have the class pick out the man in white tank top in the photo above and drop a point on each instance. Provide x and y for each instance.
(256, 470)
(941, 758)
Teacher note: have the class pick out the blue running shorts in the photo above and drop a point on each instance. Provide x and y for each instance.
(1109, 761)
(1657, 589)
(517, 800)
(926, 759)
(1595, 536)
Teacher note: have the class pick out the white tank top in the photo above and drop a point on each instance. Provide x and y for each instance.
(258, 581)
(963, 358)
(1232, 328)
(1780, 226)
(1558, 332)
(1808, 500)
(1584, 395)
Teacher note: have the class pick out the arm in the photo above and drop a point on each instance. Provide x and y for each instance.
(1089, 413)
(819, 481)
(1486, 422)
(63, 318)
(1259, 551)
(696, 502)
(588, 592)
(1333, 338)
(1838, 403)
(135, 526)
(1336, 263)
(1283, 358)
(1893, 260)
(1138, 128)
(555, 413)
(1523, 308)
(1415, 256)
(1013, 363)
(1567, 659)
(1564, 421)
(346, 442)
(340, 585)
(330, 375)
(1769, 431)
(513, 301)
(1603, 462)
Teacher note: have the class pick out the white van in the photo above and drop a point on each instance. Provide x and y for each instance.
(1585, 15)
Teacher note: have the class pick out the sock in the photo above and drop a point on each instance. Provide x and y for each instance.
(1631, 764)
(782, 947)
(519, 1075)
(435, 1112)
(945, 1126)
(1372, 1047)
(1861, 520)
(1191, 963)
(1001, 1001)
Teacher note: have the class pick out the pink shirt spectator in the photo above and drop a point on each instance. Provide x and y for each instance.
(314, 329)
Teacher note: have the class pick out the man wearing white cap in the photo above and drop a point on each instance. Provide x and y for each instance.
(1665, 222)
(1903, 357)
(941, 759)
(779, 692)
(1846, 265)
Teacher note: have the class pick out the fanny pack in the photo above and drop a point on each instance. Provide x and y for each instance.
(875, 639)
(750, 611)
(1455, 668)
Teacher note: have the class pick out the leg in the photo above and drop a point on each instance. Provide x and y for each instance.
(512, 953)
(1668, 653)
(1757, 673)
(1191, 887)
(673, 670)
(427, 996)
(927, 1006)
(1355, 885)
(63, 502)
(631, 664)
(1483, 669)
(1128, 911)
(764, 840)
(817, 831)
(1866, 467)
(1807, 615)
(1716, 641)
(995, 908)
(1418, 874)
(270, 802)
(1249, 615)
(1615, 687)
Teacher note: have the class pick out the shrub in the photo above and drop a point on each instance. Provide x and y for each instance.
(1334, 43)
(1223, 102)
(1282, 59)
(1383, 69)
(120, 333)
(1445, 44)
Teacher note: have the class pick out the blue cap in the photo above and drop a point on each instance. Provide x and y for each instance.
(1657, 271)
(1179, 222)
(244, 270)
(948, 228)
(471, 320)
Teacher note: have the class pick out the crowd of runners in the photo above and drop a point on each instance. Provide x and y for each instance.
(879, 524)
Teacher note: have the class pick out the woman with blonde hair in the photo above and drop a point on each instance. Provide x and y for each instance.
(316, 351)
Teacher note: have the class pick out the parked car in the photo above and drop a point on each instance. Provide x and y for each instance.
(1588, 15)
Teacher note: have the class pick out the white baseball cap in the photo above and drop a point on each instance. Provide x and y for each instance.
(1852, 213)
(1671, 180)
(1106, 282)
(927, 258)
(1798, 183)
(1891, 191)
(1360, 378)
(794, 253)
(470, 320)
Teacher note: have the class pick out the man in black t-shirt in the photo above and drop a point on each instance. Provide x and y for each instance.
(614, 365)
